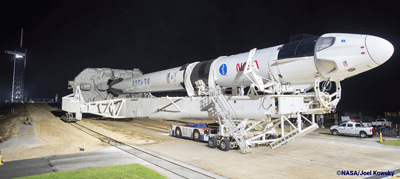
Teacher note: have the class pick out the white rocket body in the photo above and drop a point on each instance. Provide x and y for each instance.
(334, 56)
(166, 80)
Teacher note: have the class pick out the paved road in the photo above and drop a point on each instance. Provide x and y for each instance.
(324, 135)
(111, 156)
(317, 155)
(26, 136)
(44, 165)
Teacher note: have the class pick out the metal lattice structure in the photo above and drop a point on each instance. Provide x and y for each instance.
(19, 60)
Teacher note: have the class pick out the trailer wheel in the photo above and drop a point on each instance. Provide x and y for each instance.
(212, 143)
(196, 135)
(178, 132)
(237, 146)
(225, 145)
(363, 135)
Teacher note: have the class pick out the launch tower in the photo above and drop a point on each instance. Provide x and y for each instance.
(19, 59)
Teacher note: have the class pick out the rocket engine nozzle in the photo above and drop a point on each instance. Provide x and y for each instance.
(114, 81)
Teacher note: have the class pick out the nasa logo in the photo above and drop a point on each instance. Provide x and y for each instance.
(223, 70)
(343, 40)
(240, 66)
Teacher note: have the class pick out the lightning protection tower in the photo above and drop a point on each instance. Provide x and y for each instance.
(19, 59)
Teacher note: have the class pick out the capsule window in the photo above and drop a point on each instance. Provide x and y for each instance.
(298, 48)
(324, 42)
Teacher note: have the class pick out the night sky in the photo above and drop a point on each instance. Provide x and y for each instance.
(65, 37)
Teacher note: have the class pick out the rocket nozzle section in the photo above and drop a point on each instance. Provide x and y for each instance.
(114, 91)
(113, 82)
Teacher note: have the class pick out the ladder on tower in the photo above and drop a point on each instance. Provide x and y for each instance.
(238, 132)
(291, 135)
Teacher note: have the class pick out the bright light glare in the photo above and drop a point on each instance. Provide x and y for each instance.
(18, 56)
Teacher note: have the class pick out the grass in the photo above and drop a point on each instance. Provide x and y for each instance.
(123, 171)
(391, 142)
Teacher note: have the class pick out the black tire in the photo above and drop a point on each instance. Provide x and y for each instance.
(335, 132)
(225, 145)
(237, 146)
(178, 132)
(363, 134)
(196, 135)
(212, 143)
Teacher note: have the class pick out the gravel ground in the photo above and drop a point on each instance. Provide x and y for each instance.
(162, 124)
(127, 137)
(56, 137)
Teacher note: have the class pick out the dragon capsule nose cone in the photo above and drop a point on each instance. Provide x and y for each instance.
(379, 49)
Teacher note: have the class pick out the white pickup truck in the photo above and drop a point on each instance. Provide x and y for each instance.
(378, 122)
(352, 128)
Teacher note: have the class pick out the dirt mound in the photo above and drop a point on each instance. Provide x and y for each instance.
(9, 121)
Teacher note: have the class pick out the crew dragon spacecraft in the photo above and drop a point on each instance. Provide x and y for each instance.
(284, 81)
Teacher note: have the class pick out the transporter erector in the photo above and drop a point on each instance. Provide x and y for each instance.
(282, 82)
